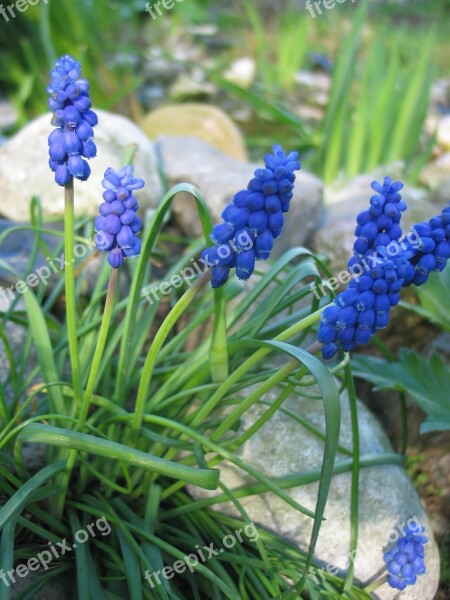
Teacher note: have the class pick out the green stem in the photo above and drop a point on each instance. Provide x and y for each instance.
(354, 501)
(101, 342)
(69, 233)
(157, 344)
(84, 408)
(375, 584)
(218, 351)
(206, 408)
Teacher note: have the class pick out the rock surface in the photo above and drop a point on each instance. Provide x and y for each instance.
(205, 122)
(443, 133)
(15, 335)
(59, 588)
(387, 497)
(24, 170)
(219, 177)
(16, 248)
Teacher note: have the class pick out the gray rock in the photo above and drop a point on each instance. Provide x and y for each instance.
(24, 170)
(15, 335)
(16, 249)
(343, 202)
(219, 177)
(443, 133)
(8, 115)
(60, 588)
(436, 176)
(387, 497)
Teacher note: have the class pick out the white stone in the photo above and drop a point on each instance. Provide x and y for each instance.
(443, 133)
(241, 72)
(24, 170)
(387, 497)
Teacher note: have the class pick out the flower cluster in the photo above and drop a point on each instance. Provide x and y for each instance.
(434, 250)
(118, 224)
(406, 559)
(364, 306)
(73, 118)
(253, 220)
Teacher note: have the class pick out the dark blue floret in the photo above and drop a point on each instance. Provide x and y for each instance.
(118, 222)
(71, 143)
(253, 220)
(378, 267)
(430, 246)
(405, 561)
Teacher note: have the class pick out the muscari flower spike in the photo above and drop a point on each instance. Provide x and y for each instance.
(73, 118)
(433, 252)
(379, 265)
(253, 220)
(406, 559)
(118, 224)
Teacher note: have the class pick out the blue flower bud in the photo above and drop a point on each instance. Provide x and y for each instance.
(133, 249)
(76, 166)
(273, 204)
(240, 199)
(263, 245)
(116, 258)
(71, 116)
(330, 314)
(222, 233)
(258, 221)
(136, 225)
(219, 276)
(84, 131)
(91, 118)
(255, 201)
(125, 236)
(71, 143)
(245, 263)
(236, 217)
(127, 217)
(89, 149)
(326, 334)
(62, 175)
(117, 208)
(57, 152)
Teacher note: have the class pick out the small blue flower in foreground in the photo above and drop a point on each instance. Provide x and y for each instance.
(253, 220)
(73, 118)
(406, 559)
(433, 252)
(117, 225)
(378, 266)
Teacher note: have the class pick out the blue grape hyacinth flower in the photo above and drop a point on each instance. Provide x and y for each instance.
(71, 142)
(433, 252)
(379, 267)
(118, 224)
(253, 220)
(405, 561)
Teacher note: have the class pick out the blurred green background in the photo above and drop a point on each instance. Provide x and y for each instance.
(350, 88)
